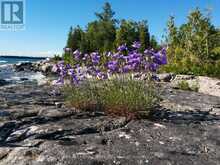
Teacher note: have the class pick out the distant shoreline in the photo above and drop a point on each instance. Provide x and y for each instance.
(23, 57)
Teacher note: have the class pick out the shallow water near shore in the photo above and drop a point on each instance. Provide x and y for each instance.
(7, 71)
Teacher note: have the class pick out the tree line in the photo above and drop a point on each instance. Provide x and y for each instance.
(107, 33)
(194, 47)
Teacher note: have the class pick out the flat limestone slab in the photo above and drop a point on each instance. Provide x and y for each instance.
(34, 130)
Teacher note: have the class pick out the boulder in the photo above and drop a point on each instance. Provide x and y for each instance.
(26, 66)
(46, 68)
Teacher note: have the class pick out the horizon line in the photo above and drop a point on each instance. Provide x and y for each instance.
(30, 53)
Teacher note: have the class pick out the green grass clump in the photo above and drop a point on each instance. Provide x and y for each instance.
(184, 85)
(121, 97)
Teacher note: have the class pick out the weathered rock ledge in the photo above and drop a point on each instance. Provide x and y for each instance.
(36, 128)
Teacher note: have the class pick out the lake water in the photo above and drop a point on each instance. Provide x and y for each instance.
(14, 60)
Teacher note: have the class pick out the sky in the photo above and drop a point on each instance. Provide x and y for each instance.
(48, 21)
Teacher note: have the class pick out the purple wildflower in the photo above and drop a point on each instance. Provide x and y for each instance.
(68, 66)
(85, 57)
(153, 67)
(163, 56)
(71, 72)
(95, 58)
(127, 68)
(122, 47)
(116, 63)
(77, 54)
(160, 57)
(109, 54)
(112, 66)
(136, 45)
(102, 75)
(55, 68)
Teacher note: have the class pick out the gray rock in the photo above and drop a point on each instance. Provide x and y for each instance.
(24, 79)
(4, 152)
(184, 77)
(26, 66)
(166, 77)
(192, 82)
(58, 104)
(44, 66)
(17, 136)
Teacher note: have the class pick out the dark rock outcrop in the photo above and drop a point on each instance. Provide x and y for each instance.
(34, 129)
(3, 82)
(26, 66)
(44, 66)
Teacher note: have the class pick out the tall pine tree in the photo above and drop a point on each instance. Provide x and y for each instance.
(144, 35)
(69, 43)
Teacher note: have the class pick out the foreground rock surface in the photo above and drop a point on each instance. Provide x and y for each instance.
(36, 128)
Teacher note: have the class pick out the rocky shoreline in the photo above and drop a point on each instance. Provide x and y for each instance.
(44, 66)
(206, 85)
(37, 128)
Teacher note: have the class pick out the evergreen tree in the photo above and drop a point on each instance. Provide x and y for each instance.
(197, 38)
(69, 43)
(194, 47)
(107, 14)
(77, 37)
(153, 42)
(128, 32)
(172, 32)
(144, 35)
(172, 38)
(93, 36)
(101, 33)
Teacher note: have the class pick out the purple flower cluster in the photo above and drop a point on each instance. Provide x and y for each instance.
(136, 45)
(122, 48)
(123, 61)
(95, 58)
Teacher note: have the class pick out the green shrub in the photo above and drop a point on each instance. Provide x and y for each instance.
(184, 85)
(199, 69)
(56, 58)
(118, 96)
(215, 53)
